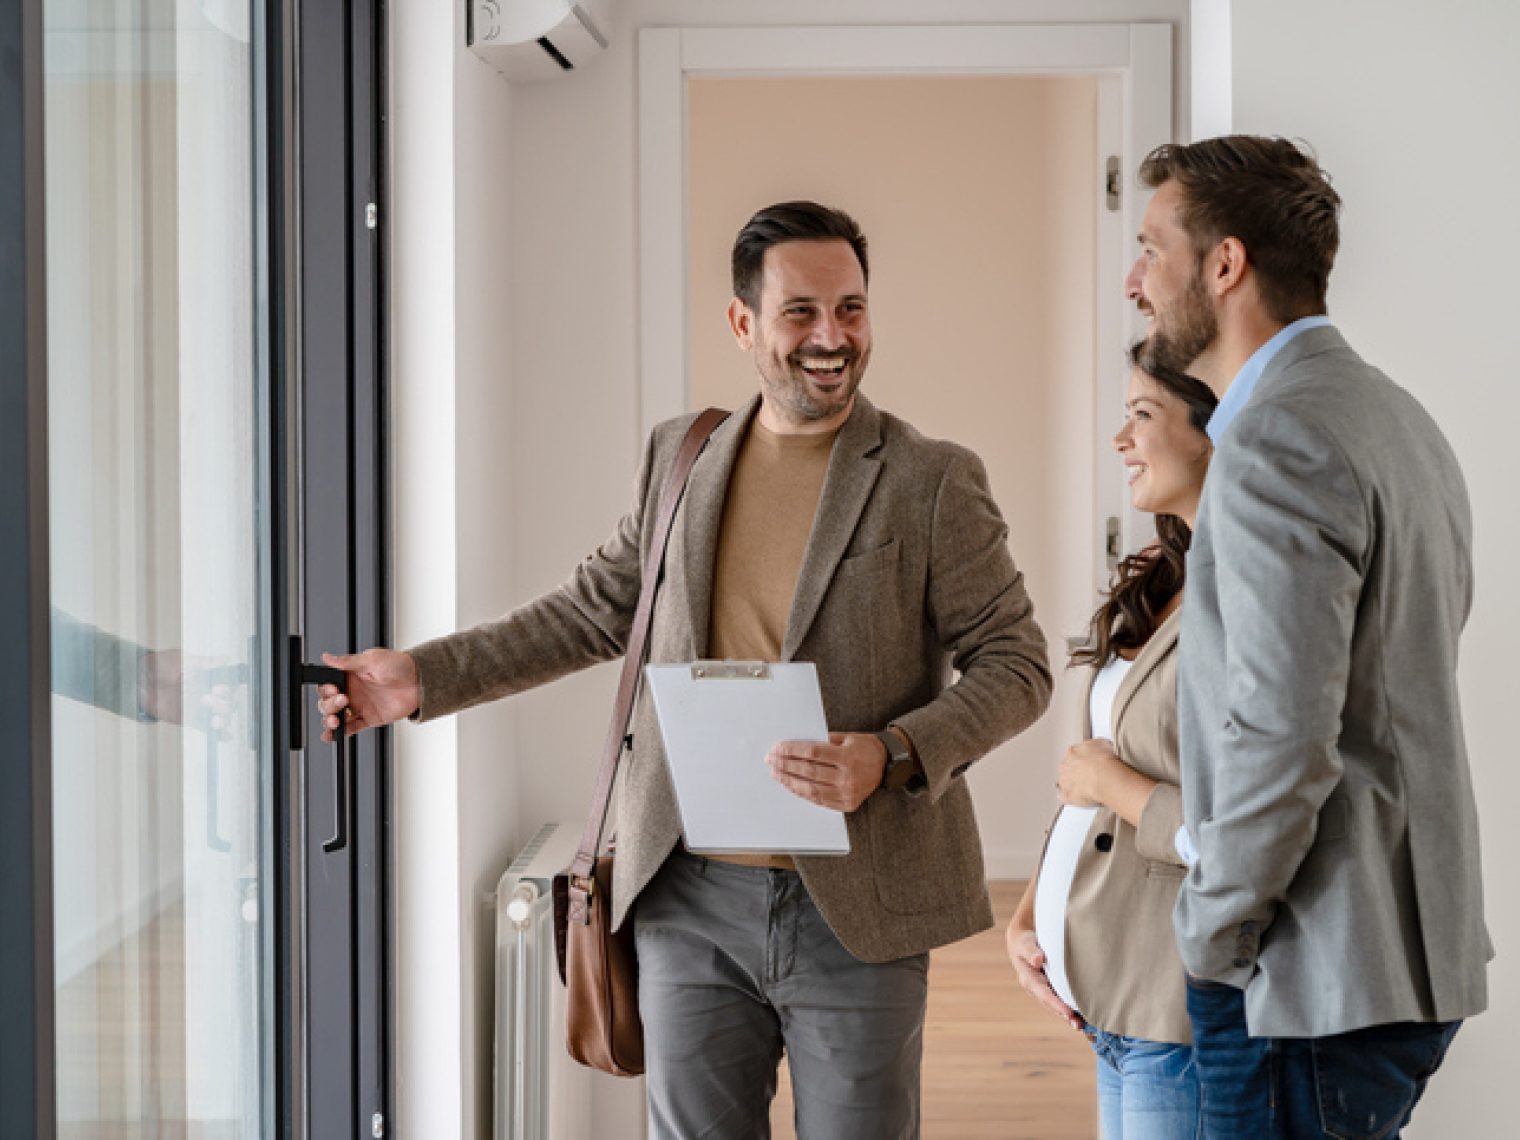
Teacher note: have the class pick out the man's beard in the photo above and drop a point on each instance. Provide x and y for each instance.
(1190, 328)
(786, 386)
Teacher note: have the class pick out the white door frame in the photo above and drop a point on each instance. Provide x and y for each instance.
(1133, 62)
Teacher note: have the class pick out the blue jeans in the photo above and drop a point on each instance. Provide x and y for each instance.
(1361, 1085)
(1147, 1090)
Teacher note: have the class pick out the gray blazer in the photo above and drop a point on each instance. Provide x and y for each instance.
(1325, 779)
(906, 580)
(1121, 954)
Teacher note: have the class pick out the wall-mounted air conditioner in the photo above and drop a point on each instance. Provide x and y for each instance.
(538, 39)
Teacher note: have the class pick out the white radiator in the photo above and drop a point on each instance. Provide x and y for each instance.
(541, 1094)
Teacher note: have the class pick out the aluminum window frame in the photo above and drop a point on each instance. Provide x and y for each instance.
(27, 1032)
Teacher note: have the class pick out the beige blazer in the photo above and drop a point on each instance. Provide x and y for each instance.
(906, 581)
(1121, 954)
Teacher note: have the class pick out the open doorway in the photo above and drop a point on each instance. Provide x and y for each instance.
(997, 197)
(978, 196)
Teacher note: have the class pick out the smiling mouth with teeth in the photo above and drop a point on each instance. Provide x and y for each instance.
(814, 366)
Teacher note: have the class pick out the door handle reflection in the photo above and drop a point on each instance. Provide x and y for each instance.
(214, 838)
(214, 678)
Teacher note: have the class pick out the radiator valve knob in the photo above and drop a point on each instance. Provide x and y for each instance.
(520, 905)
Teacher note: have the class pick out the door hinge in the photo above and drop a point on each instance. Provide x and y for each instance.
(1111, 542)
(1111, 182)
(377, 1126)
(371, 215)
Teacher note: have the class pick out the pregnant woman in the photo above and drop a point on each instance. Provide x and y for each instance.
(1092, 937)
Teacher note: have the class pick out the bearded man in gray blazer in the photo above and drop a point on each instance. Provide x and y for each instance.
(814, 528)
(1332, 921)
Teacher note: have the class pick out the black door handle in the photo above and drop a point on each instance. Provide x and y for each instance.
(301, 675)
(327, 675)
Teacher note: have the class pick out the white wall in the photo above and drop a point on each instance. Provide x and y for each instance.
(1412, 110)
(456, 817)
(491, 826)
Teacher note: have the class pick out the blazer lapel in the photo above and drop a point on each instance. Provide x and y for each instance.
(1152, 653)
(846, 488)
(694, 541)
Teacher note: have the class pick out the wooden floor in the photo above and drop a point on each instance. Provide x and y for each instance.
(121, 1042)
(996, 1065)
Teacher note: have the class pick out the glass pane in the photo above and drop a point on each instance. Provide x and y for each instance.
(155, 569)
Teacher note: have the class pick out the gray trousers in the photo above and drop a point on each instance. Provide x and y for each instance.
(736, 963)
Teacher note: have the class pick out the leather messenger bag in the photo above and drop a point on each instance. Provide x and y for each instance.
(598, 967)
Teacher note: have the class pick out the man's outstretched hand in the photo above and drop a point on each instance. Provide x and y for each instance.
(382, 688)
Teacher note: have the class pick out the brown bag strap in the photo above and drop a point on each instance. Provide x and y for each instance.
(638, 643)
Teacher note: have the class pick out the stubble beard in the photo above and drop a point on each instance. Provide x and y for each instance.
(1189, 330)
(786, 387)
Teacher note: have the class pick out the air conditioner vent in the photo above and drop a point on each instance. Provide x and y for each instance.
(537, 39)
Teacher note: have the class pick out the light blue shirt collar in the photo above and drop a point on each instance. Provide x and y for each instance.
(1239, 392)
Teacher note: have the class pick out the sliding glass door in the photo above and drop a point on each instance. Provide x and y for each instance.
(207, 963)
(156, 579)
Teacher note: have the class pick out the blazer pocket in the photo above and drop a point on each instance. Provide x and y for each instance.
(916, 853)
(871, 562)
(1158, 870)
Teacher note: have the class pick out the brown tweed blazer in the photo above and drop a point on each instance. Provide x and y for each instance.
(906, 580)
(1121, 954)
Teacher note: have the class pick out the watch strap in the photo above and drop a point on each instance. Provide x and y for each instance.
(902, 760)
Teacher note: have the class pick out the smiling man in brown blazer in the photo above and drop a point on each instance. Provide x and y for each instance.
(814, 528)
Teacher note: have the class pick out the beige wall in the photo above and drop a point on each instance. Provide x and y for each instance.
(978, 197)
(1411, 108)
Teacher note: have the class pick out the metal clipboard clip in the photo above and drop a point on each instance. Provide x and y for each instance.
(730, 671)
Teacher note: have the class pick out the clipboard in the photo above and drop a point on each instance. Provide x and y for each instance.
(718, 720)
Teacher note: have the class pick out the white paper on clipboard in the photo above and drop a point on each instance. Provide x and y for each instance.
(719, 719)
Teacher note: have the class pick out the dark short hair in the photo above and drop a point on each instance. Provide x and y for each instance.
(1145, 582)
(1196, 396)
(783, 222)
(1269, 193)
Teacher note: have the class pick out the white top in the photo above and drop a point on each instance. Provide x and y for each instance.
(1066, 839)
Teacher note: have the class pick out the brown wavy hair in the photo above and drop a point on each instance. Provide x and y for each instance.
(1146, 581)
